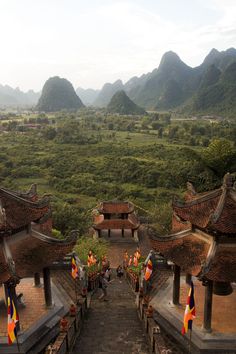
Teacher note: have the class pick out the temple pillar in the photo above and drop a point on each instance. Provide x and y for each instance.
(123, 232)
(109, 233)
(208, 306)
(99, 233)
(188, 278)
(176, 284)
(136, 235)
(47, 287)
(37, 283)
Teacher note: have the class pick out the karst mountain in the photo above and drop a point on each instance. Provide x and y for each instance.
(120, 103)
(58, 94)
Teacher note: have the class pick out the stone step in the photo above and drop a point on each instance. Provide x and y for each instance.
(113, 326)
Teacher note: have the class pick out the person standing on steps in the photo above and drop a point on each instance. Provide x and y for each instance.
(119, 272)
(103, 285)
(108, 274)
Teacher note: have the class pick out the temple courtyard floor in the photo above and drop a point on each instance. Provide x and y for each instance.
(34, 306)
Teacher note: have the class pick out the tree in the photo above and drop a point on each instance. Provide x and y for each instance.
(49, 133)
(220, 157)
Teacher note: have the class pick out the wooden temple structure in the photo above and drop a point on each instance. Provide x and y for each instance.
(203, 242)
(26, 248)
(113, 215)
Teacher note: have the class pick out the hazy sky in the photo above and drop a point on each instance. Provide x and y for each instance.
(96, 41)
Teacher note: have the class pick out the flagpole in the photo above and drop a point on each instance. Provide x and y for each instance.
(17, 342)
(190, 341)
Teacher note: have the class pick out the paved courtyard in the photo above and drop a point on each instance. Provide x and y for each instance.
(224, 308)
(33, 311)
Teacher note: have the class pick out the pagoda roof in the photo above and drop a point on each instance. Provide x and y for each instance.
(116, 207)
(199, 254)
(214, 210)
(105, 224)
(19, 209)
(25, 253)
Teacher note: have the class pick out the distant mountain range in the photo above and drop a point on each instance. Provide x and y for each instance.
(88, 96)
(175, 85)
(16, 97)
(207, 88)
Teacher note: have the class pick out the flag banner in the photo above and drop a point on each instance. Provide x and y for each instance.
(12, 319)
(189, 313)
(148, 271)
(74, 268)
(135, 260)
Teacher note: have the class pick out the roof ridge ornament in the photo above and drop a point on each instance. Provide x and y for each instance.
(227, 181)
(190, 188)
(3, 217)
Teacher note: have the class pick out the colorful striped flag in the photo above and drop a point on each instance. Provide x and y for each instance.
(148, 271)
(189, 313)
(13, 318)
(74, 267)
(135, 260)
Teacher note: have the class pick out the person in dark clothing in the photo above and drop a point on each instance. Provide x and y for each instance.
(119, 272)
(103, 284)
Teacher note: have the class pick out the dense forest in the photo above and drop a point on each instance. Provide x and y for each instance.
(89, 156)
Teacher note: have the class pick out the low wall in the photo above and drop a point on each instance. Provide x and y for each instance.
(158, 341)
(65, 341)
(133, 280)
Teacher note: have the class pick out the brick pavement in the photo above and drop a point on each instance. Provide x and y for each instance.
(223, 313)
(34, 310)
(118, 245)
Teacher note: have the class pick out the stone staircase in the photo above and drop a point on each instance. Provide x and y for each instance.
(112, 326)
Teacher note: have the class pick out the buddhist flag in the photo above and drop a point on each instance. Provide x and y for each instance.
(148, 271)
(135, 261)
(74, 268)
(13, 318)
(189, 313)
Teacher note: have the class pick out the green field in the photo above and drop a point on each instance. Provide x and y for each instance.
(81, 159)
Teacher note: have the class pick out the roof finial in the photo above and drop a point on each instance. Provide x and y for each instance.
(191, 188)
(227, 180)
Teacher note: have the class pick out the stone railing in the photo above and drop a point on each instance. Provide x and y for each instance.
(158, 341)
(70, 328)
(93, 281)
(133, 279)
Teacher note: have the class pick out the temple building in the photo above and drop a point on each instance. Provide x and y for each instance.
(203, 243)
(116, 215)
(26, 248)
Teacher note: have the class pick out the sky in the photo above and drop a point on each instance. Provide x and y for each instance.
(97, 41)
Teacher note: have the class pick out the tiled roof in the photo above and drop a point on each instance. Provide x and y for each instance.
(188, 249)
(198, 254)
(215, 210)
(21, 209)
(31, 252)
(222, 265)
(102, 223)
(179, 225)
(116, 207)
